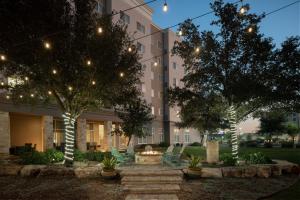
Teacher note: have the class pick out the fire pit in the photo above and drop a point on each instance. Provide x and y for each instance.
(148, 157)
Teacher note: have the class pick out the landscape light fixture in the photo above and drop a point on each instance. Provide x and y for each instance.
(165, 7)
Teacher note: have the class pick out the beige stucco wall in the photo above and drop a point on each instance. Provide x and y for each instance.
(26, 129)
(4, 132)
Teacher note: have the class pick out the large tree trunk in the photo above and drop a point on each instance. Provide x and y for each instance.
(234, 136)
(129, 139)
(69, 121)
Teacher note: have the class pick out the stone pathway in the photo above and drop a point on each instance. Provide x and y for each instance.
(151, 182)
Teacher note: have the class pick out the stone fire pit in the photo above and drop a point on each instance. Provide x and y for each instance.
(148, 156)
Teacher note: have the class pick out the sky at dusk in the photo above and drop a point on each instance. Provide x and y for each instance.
(279, 25)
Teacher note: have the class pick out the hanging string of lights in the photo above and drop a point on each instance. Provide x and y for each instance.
(249, 30)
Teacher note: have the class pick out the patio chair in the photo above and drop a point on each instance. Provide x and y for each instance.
(174, 159)
(168, 154)
(121, 158)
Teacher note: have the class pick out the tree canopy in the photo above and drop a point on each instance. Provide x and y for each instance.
(64, 52)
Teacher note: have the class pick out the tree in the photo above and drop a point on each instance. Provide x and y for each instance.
(63, 52)
(229, 63)
(292, 130)
(272, 123)
(135, 116)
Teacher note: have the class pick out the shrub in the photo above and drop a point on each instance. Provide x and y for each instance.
(228, 159)
(109, 163)
(194, 162)
(257, 158)
(94, 156)
(287, 144)
(54, 156)
(268, 145)
(79, 156)
(34, 158)
(163, 144)
(195, 144)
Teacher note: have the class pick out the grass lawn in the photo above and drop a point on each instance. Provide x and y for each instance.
(291, 193)
(289, 154)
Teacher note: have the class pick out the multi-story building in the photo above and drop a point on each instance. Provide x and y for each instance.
(43, 126)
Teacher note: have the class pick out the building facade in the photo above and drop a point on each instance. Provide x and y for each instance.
(43, 126)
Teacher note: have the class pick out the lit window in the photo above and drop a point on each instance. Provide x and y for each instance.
(159, 111)
(142, 140)
(152, 75)
(176, 135)
(187, 138)
(99, 6)
(143, 88)
(152, 93)
(153, 131)
(125, 18)
(140, 27)
(152, 110)
(58, 132)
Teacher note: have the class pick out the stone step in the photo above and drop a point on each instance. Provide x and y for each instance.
(151, 173)
(151, 179)
(151, 197)
(151, 188)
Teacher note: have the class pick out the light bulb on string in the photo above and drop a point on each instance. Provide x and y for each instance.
(70, 88)
(2, 83)
(49, 92)
(250, 30)
(54, 71)
(7, 97)
(88, 62)
(100, 30)
(32, 95)
(93, 82)
(21, 96)
(180, 33)
(26, 78)
(165, 7)
(197, 50)
(3, 57)
(47, 45)
(129, 49)
(155, 64)
(243, 10)
(121, 74)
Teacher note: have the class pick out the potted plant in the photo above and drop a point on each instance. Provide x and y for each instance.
(194, 169)
(108, 170)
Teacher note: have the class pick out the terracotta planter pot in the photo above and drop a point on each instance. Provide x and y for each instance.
(194, 172)
(108, 173)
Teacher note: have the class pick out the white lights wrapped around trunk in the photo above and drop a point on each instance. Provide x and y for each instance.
(69, 122)
(234, 137)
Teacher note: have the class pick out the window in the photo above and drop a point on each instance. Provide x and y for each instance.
(143, 88)
(152, 110)
(140, 47)
(159, 44)
(140, 27)
(159, 111)
(174, 65)
(158, 94)
(152, 75)
(153, 131)
(100, 6)
(176, 135)
(142, 140)
(152, 93)
(125, 18)
(187, 138)
(58, 132)
(174, 82)
(89, 133)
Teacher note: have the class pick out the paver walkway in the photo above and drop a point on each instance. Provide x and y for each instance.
(151, 182)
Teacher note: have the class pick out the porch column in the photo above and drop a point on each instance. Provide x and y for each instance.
(48, 136)
(81, 135)
(107, 131)
(4, 132)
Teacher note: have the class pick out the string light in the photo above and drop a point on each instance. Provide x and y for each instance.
(88, 62)
(250, 30)
(243, 10)
(7, 97)
(180, 33)
(155, 64)
(26, 78)
(21, 96)
(2, 83)
(197, 50)
(69, 122)
(3, 57)
(47, 45)
(49, 92)
(31, 95)
(100, 30)
(70, 88)
(54, 71)
(121, 74)
(165, 7)
(93, 82)
(129, 49)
